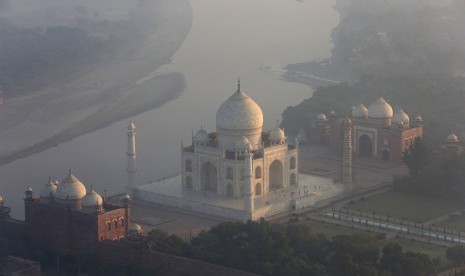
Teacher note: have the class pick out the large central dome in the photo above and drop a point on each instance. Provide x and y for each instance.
(70, 188)
(239, 116)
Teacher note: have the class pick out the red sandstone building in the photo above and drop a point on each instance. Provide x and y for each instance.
(377, 132)
(68, 218)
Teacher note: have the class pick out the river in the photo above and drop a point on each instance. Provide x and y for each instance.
(250, 39)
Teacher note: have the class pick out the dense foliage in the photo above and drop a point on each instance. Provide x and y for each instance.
(293, 249)
(27, 55)
(400, 37)
(456, 254)
(438, 100)
(441, 174)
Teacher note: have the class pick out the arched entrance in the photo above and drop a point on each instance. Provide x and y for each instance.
(276, 175)
(229, 190)
(385, 155)
(208, 177)
(258, 189)
(293, 179)
(365, 146)
(188, 182)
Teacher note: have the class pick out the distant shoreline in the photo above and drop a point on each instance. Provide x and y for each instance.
(171, 86)
(106, 94)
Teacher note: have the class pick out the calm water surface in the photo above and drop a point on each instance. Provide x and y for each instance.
(250, 39)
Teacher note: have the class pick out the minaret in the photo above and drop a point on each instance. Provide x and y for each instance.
(347, 153)
(131, 166)
(248, 189)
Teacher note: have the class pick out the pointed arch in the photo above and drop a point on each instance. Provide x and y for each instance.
(188, 165)
(258, 189)
(208, 177)
(189, 182)
(258, 172)
(365, 146)
(276, 175)
(292, 162)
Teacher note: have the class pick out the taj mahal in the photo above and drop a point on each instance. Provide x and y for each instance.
(238, 172)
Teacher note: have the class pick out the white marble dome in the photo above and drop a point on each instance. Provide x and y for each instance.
(136, 228)
(239, 116)
(452, 138)
(321, 117)
(70, 188)
(92, 199)
(277, 135)
(400, 117)
(49, 189)
(359, 111)
(201, 136)
(380, 109)
(242, 144)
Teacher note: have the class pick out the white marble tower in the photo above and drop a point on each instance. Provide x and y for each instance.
(248, 183)
(131, 157)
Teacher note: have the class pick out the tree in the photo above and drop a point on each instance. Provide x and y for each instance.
(456, 254)
(417, 157)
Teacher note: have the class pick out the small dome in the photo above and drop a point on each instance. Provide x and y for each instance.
(277, 135)
(29, 189)
(136, 228)
(380, 109)
(400, 117)
(418, 118)
(1, 201)
(332, 113)
(452, 138)
(92, 199)
(201, 136)
(242, 144)
(321, 117)
(359, 111)
(48, 190)
(71, 188)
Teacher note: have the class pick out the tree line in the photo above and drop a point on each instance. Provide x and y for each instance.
(27, 55)
(293, 249)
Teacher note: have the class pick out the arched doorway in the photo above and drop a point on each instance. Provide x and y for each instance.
(365, 146)
(188, 165)
(276, 175)
(208, 177)
(258, 189)
(293, 179)
(385, 155)
(188, 182)
(229, 190)
(258, 172)
(292, 165)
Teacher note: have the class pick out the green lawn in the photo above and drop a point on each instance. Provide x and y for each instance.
(331, 230)
(408, 206)
(456, 223)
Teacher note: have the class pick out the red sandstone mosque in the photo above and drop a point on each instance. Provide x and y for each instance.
(377, 132)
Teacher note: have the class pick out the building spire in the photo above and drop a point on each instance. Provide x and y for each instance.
(238, 84)
(131, 157)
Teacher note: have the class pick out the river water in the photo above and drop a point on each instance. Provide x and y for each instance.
(250, 39)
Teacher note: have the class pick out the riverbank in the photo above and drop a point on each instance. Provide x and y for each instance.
(100, 94)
